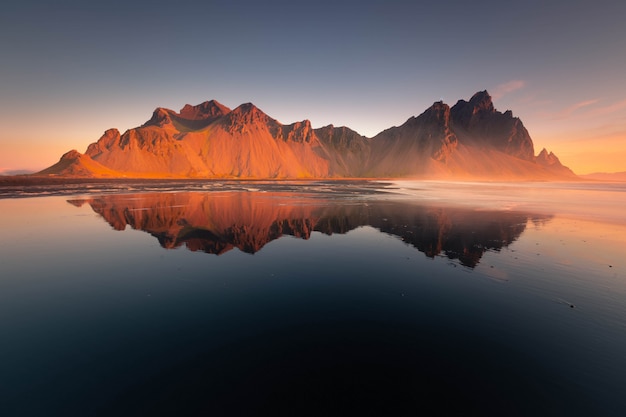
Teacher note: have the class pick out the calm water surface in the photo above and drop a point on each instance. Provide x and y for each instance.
(289, 299)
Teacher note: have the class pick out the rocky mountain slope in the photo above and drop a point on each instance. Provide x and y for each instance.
(468, 140)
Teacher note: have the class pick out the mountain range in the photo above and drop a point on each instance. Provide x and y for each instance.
(470, 140)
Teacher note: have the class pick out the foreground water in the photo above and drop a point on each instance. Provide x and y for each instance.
(294, 299)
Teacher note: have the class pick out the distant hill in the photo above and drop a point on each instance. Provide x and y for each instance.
(75, 164)
(468, 140)
(8, 172)
(606, 176)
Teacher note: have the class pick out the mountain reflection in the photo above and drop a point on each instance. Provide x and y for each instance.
(217, 222)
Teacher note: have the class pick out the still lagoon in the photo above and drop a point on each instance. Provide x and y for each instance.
(313, 298)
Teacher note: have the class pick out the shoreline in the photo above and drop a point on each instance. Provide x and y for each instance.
(41, 180)
(19, 180)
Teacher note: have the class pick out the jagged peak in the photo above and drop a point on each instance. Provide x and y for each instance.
(110, 137)
(160, 117)
(439, 111)
(331, 131)
(247, 108)
(306, 123)
(544, 153)
(71, 155)
(111, 132)
(482, 100)
(439, 106)
(332, 127)
(162, 111)
(205, 110)
(248, 113)
(298, 132)
(479, 103)
(481, 95)
(547, 158)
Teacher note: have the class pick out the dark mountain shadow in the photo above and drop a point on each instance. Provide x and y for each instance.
(217, 222)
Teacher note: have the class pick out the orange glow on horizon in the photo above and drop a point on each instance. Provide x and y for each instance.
(582, 148)
(599, 154)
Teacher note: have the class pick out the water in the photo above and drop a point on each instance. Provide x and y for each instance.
(348, 298)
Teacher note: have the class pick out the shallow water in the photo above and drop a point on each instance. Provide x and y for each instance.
(315, 299)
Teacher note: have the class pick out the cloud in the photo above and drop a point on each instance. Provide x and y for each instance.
(581, 104)
(612, 108)
(507, 88)
(569, 110)
(594, 112)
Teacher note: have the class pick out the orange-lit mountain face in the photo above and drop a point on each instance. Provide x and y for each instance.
(217, 222)
(469, 140)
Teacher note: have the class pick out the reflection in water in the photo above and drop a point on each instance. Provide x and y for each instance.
(218, 222)
(99, 323)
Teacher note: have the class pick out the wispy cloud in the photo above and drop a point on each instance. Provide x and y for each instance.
(611, 108)
(506, 88)
(568, 111)
(583, 109)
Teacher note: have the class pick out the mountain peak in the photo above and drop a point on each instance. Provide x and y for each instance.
(106, 141)
(547, 158)
(482, 100)
(247, 113)
(551, 162)
(479, 105)
(206, 110)
(71, 155)
(75, 164)
(438, 113)
(300, 132)
(439, 107)
(478, 121)
(160, 117)
(247, 108)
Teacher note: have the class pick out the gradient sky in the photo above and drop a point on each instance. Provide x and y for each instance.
(71, 69)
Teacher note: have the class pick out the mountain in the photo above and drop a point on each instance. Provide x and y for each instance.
(606, 176)
(468, 140)
(211, 141)
(12, 172)
(550, 162)
(75, 164)
(216, 223)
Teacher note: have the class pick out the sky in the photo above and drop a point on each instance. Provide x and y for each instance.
(69, 70)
